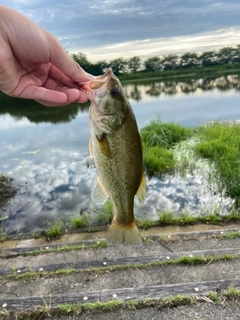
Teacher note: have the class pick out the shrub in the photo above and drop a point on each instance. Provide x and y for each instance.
(220, 142)
(164, 135)
(158, 161)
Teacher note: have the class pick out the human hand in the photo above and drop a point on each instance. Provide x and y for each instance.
(34, 65)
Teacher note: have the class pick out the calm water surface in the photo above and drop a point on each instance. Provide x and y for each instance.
(46, 149)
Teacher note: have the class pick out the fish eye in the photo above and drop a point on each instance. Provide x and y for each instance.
(114, 92)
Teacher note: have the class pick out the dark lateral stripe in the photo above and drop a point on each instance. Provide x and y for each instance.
(125, 294)
(81, 265)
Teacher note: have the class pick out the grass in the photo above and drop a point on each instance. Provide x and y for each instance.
(54, 230)
(158, 161)
(102, 216)
(165, 135)
(79, 221)
(220, 143)
(98, 244)
(214, 297)
(177, 300)
(76, 309)
(3, 235)
(230, 235)
(212, 150)
(169, 218)
(233, 293)
(157, 139)
(186, 260)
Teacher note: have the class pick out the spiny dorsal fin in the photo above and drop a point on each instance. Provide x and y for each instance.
(141, 193)
(99, 196)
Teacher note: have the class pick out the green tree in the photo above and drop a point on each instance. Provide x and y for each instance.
(189, 60)
(81, 58)
(208, 58)
(170, 62)
(153, 64)
(118, 66)
(226, 55)
(98, 68)
(236, 58)
(134, 64)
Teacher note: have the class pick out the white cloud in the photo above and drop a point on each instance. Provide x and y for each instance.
(82, 25)
(164, 46)
(7, 122)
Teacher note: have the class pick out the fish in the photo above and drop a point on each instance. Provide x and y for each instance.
(115, 146)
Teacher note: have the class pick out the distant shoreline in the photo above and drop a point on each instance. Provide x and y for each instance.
(183, 73)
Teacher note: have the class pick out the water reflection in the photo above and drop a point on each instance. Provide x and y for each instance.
(138, 90)
(46, 149)
(36, 113)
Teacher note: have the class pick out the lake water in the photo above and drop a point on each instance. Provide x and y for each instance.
(45, 150)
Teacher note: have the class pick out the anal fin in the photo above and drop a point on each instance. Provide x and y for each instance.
(99, 195)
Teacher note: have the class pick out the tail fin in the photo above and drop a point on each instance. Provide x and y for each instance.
(119, 233)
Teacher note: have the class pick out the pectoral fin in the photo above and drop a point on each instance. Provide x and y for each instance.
(141, 193)
(99, 195)
(90, 148)
(104, 146)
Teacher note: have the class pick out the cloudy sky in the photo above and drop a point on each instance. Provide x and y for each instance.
(110, 29)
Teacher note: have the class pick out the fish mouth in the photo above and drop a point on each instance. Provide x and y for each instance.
(96, 86)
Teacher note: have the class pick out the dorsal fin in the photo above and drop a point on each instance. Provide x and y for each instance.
(142, 189)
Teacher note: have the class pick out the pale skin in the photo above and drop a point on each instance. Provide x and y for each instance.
(34, 65)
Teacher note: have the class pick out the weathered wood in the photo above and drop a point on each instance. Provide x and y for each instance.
(81, 265)
(180, 235)
(51, 302)
(22, 250)
(159, 292)
(195, 235)
(125, 294)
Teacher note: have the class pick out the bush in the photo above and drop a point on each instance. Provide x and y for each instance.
(157, 139)
(54, 230)
(79, 221)
(164, 134)
(220, 142)
(158, 161)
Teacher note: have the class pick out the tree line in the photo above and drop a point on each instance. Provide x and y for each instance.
(170, 62)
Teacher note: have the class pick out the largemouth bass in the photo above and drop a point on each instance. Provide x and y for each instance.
(115, 146)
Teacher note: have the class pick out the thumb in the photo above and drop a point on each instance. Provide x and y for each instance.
(63, 61)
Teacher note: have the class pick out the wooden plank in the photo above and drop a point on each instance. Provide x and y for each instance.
(180, 235)
(125, 294)
(162, 291)
(31, 303)
(81, 265)
(194, 235)
(22, 250)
